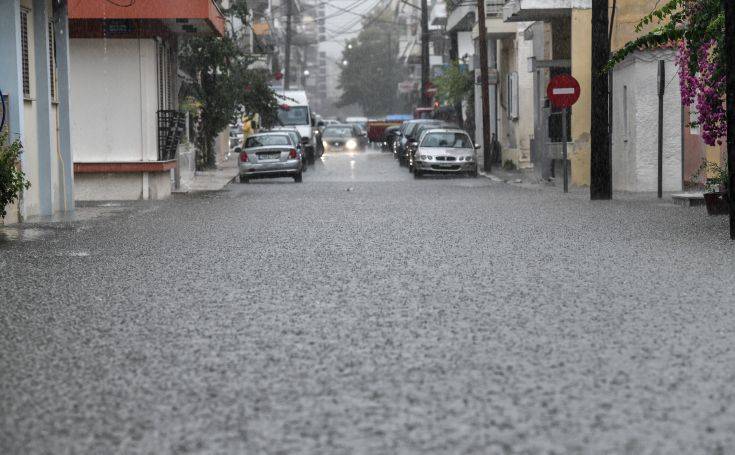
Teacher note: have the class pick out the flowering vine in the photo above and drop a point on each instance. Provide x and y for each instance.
(698, 28)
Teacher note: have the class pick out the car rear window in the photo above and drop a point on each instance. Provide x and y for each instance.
(264, 141)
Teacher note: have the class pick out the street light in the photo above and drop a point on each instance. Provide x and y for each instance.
(345, 63)
(306, 73)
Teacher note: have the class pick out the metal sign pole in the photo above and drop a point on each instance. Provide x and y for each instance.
(564, 148)
(661, 93)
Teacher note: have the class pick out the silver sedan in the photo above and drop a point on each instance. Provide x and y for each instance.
(445, 151)
(270, 155)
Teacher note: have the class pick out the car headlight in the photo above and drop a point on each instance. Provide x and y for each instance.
(468, 158)
(351, 144)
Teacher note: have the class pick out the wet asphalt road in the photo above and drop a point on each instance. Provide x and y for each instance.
(364, 312)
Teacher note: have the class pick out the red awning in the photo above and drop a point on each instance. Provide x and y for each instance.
(179, 16)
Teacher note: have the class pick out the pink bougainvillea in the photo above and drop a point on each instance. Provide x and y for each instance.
(703, 90)
(698, 27)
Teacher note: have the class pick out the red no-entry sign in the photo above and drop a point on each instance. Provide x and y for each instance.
(563, 91)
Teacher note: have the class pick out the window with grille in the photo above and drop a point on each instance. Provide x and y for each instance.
(52, 59)
(161, 77)
(25, 52)
(172, 95)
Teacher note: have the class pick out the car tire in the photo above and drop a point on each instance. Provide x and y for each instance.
(244, 179)
(298, 178)
(473, 173)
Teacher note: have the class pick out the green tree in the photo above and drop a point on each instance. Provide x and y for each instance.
(455, 85)
(223, 83)
(371, 74)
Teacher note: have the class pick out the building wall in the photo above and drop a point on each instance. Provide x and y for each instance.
(465, 46)
(36, 119)
(635, 123)
(517, 131)
(581, 112)
(627, 15)
(114, 100)
(697, 151)
(123, 187)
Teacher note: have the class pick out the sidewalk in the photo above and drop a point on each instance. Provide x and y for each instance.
(211, 180)
(528, 179)
(525, 178)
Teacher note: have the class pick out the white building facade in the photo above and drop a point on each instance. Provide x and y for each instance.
(34, 82)
(125, 119)
(635, 124)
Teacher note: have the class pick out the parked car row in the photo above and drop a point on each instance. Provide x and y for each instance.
(428, 146)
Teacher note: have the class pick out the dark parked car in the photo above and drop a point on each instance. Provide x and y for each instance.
(409, 137)
(389, 137)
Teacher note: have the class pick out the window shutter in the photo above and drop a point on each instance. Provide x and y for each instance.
(161, 83)
(513, 95)
(25, 53)
(52, 58)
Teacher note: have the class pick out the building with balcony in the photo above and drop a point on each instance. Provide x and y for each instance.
(124, 85)
(34, 83)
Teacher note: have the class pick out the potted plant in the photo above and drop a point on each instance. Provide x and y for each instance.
(12, 179)
(716, 181)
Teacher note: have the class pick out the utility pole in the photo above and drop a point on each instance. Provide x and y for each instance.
(425, 100)
(729, 8)
(485, 85)
(601, 156)
(287, 78)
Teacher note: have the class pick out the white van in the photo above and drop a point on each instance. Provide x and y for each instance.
(294, 111)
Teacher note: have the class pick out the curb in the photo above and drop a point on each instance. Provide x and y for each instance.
(492, 177)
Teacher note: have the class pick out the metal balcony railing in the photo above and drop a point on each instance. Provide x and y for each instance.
(171, 126)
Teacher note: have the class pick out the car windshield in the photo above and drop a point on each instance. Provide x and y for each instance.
(294, 115)
(264, 141)
(338, 131)
(453, 140)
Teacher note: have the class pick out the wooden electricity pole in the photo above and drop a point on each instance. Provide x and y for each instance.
(425, 99)
(287, 64)
(485, 85)
(729, 7)
(601, 156)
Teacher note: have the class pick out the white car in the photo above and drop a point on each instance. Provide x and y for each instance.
(445, 151)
